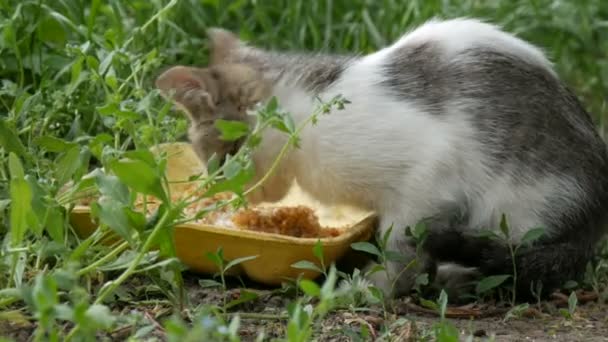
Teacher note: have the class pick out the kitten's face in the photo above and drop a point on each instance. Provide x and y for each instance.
(223, 91)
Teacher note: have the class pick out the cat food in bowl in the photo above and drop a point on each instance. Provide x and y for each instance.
(276, 234)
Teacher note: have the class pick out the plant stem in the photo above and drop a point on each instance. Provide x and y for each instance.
(132, 266)
(514, 296)
(8, 301)
(281, 155)
(103, 260)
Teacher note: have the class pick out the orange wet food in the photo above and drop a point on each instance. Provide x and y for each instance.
(296, 221)
(299, 221)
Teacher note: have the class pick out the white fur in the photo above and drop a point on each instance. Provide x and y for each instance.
(391, 156)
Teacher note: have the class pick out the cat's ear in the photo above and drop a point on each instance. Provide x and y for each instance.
(223, 44)
(187, 87)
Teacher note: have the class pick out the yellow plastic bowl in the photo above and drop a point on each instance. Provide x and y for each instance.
(275, 253)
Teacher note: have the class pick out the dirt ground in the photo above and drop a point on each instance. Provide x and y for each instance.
(407, 322)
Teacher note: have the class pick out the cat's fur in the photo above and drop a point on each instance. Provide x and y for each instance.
(224, 91)
(457, 122)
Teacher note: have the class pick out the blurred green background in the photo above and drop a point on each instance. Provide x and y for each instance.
(42, 42)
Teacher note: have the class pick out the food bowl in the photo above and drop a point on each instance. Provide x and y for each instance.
(274, 253)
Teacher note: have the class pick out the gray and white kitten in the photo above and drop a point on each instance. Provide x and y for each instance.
(456, 123)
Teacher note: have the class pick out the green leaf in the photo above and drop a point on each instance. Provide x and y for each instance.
(443, 303)
(231, 130)
(217, 258)
(106, 62)
(235, 184)
(307, 265)
(244, 297)
(100, 315)
(238, 261)
(516, 311)
(376, 293)
(572, 302)
(213, 164)
(53, 144)
(429, 304)
(126, 259)
(67, 165)
(136, 219)
(273, 105)
(422, 279)
(330, 283)
(490, 282)
(386, 236)
(112, 82)
(395, 256)
(4, 203)
(532, 235)
(446, 332)
(144, 155)
(51, 31)
(44, 292)
(163, 264)
(366, 247)
(504, 227)
(92, 63)
(55, 223)
(15, 167)
(21, 198)
(111, 187)
(38, 206)
(232, 168)
(376, 268)
(112, 214)
(139, 176)
(112, 109)
(64, 312)
(317, 251)
(419, 230)
(76, 70)
(565, 313)
(209, 283)
(570, 284)
(165, 242)
(310, 288)
(289, 123)
(98, 143)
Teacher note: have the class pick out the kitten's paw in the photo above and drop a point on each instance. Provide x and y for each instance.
(457, 281)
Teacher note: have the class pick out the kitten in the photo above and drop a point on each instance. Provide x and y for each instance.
(455, 123)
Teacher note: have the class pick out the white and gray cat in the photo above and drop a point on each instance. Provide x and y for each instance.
(456, 123)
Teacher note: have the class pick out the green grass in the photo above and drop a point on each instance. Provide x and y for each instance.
(76, 95)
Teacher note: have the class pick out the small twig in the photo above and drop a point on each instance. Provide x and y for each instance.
(154, 322)
(454, 312)
(361, 321)
(255, 315)
(560, 299)
(121, 332)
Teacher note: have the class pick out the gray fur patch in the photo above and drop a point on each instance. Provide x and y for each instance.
(524, 115)
(314, 72)
(417, 74)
